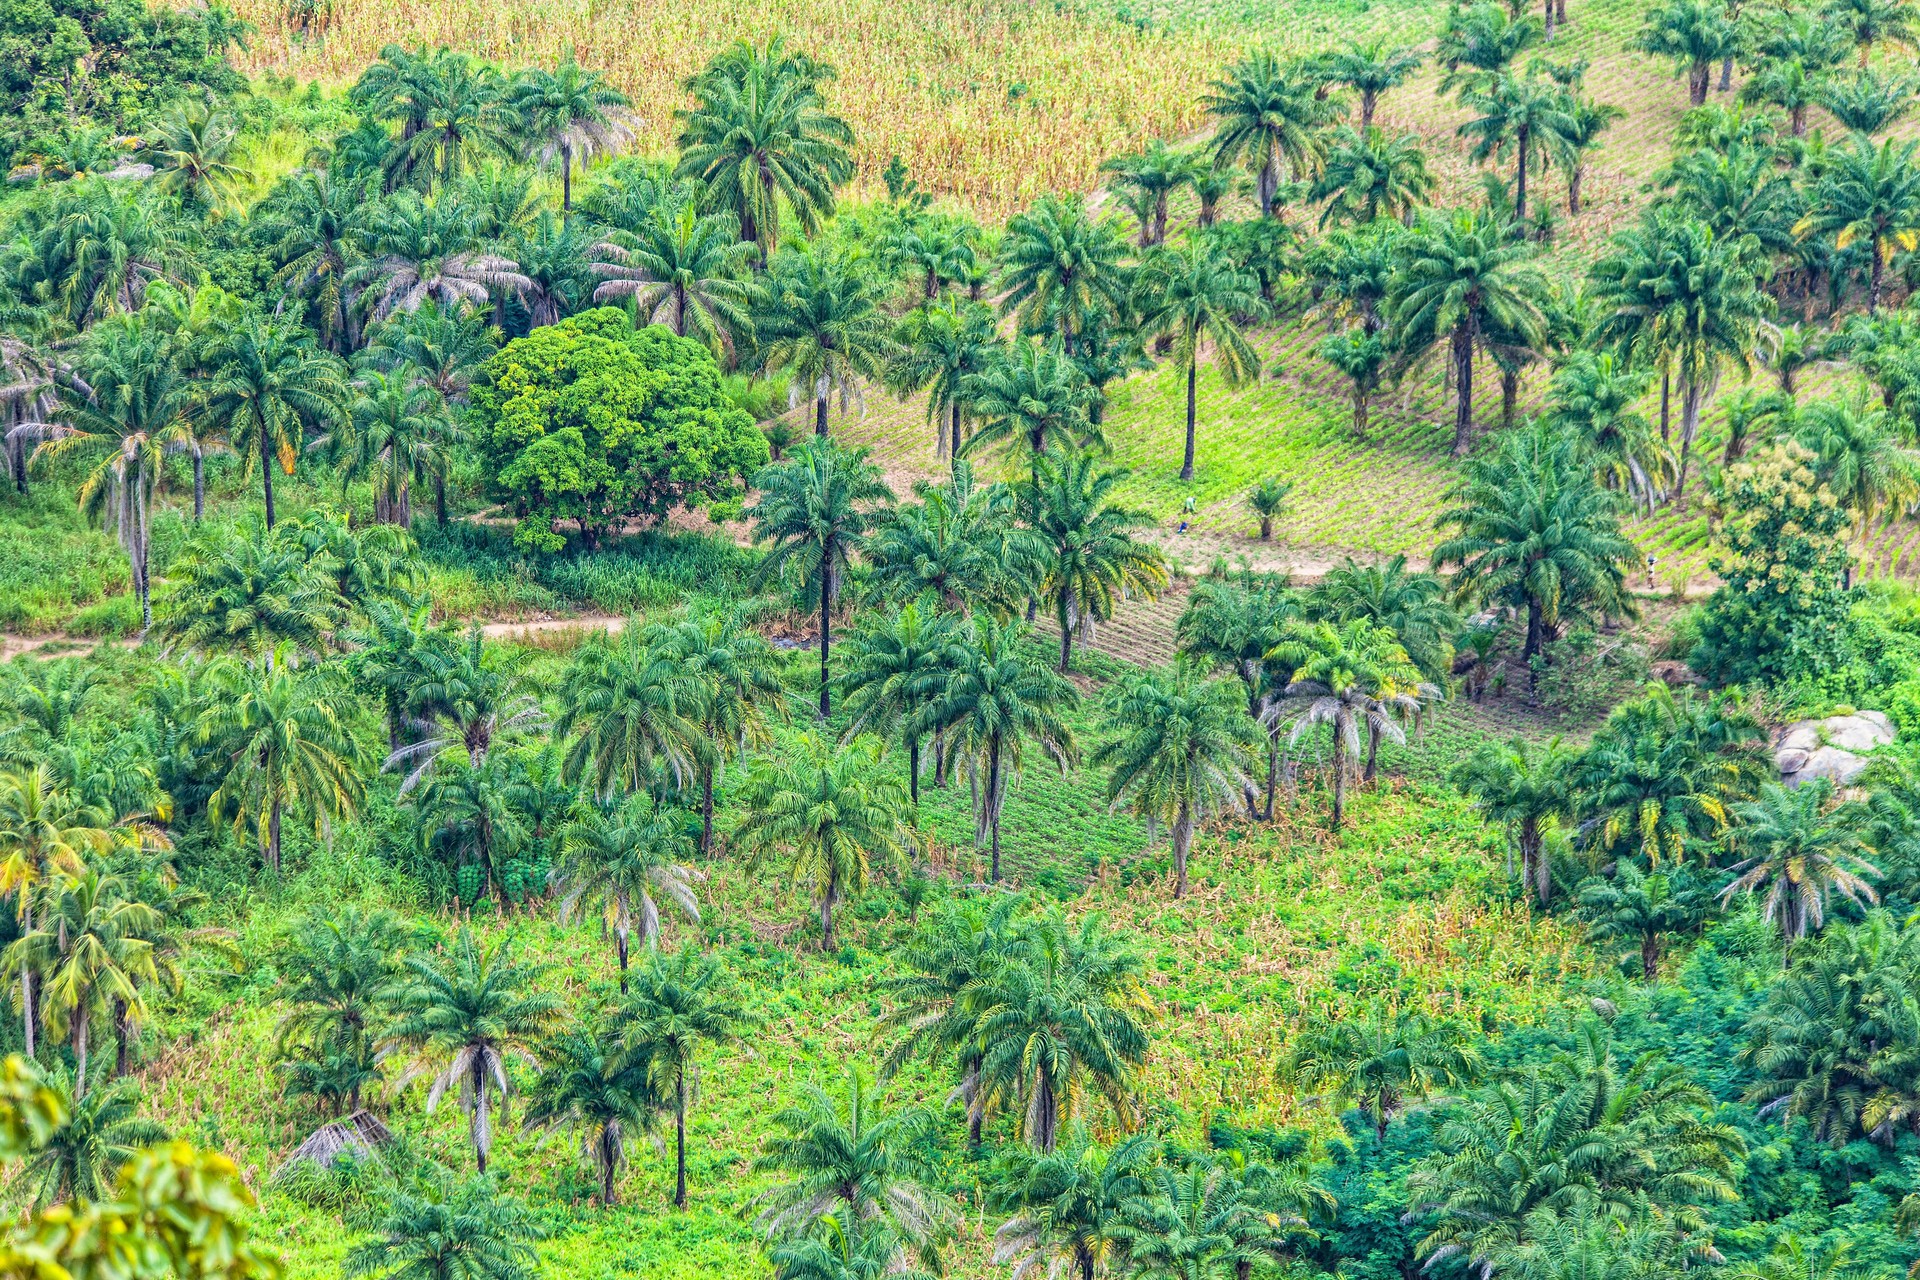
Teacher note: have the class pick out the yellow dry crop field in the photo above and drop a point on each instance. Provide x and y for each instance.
(991, 103)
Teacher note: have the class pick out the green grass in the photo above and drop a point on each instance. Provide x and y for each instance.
(53, 562)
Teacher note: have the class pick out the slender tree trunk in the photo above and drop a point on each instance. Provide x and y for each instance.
(609, 1164)
(81, 1027)
(1273, 770)
(826, 633)
(1797, 120)
(1182, 845)
(1876, 275)
(1574, 175)
(1046, 1114)
(122, 1039)
(620, 945)
(273, 838)
(1359, 431)
(27, 1021)
(1650, 957)
(566, 181)
(706, 811)
(820, 414)
(1535, 626)
(266, 472)
(993, 806)
(1509, 397)
(1726, 73)
(913, 768)
(976, 1113)
(1666, 393)
(1193, 380)
(1368, 100)
(680, 1141)
(1550, 28)
(1066, 631)
(955, 413)
(199, 483)
(1690, 395)
(440, 500)
(1520, 179)
(1373, 754)
(826, 920)
(1463, 395)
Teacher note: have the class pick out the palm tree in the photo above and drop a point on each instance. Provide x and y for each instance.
(1593, 395)
(248, 592)
(270, 385)
(1369, 175)
(1675, 292)
(1069, 1205)
(286, 743)
(134, 403)
(1362, 358)
(1059, 263)
(571, 112)
(445, 350)
(81, 1159)
(962, 541)
(1801, 852)
(816, 508)
(1192, 294)
(939, 350)
(735, 677)
(466, 1019)
(1480, 41)
(682, 270)
(1577, 138)
(1874, 22)
(1463, 276)
(1526, 790)
(830, 813)
(466, 1231)
(90, 947)
(1151, 175)
(1413, 606)
(1695, 34)
(896, 666)
(465, 699)
(1353, 674)
(818, 318)
(997, 698)
(1533, 529)
(1868, 193)
(619, 855)
(337, 972)
(1268, 499)
(845, 1252)
(759, 136)
(45, 834)
(394, 430)
(1527, 113)
(1381, 1060)
(1858, 458)
(458, 114)
(852, 1163)
(1091, 559)
(582, 1087)
(421, 249)
(1787, 84)
(467, 816)
(1370, 70)
(312, 221)
(189, 150)
(1035, 400)
(632, 714)
(678, 1006)
(94, 251)
(1866, 102)
(1266, 115)
(1182, 752)
(1064, 1015)
(1642, 909)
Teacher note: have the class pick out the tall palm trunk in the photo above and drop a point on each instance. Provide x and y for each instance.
(266, 471)
(1193, 380)
(993, 804)
(1520, 174)
(1182, 845)
(620, 946)
(680, 1140)
(1666, 395)
(706, 810)
(1067, 620)
(826, 632)
(955, 455)
(477, 1119)
(1463, 389)
(828, 897)
(1046, 1113)
(1341, 719)
(1691, 393)
(566, 181)
(199, 482)
(820, 413)
(273, 837)
(1876, 276)
(81, 1028)
(123, 1038)
(27, 1019)
(913, 768)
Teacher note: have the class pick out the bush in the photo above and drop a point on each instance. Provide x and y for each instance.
(111, 618)
(1579, 675)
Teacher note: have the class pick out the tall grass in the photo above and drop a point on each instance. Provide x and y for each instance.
(475, 571)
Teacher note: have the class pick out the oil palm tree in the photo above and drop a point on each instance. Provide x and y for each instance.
(443, 349)
(1858, 458)
(269, 386)
(1695, 34)
(1090, 558)
(1413, 606)
(734, 678)
(1525, 113)
(816, 509)
(1194, 295)
(1059, 263)
(394, 430)
(466, 815)
(1480, 41)
(759, 136)
(571, 113)
(1593, 395)
(93, 252)
(619, 855)
(422, 249)
(1062, 1017)
(831, 813)
(460, 113)
(896, 667)
(1462, 276)
(683, 270)
(1369, 175)
(466, 1018)
(1352, 675)
(1525, 789)
(1370, 70)
(1268, 499)
(91, 946)
(1361, 358)
(463, 698)
(243, 591)
(1267, 115)
(1382, 1059)
(337, 971)
(855, 1163)
(629, 714)
(1643, 910)
(583, 1088)
(1030, 401)
(963, 541)
(1787, 84)
(191, 149)
(1069, 1205)
(818, 318)
(1801, 853)
(449, 1231)
(938, 349)
(1182, 751)
(81, 1159)
(46, 834)
(678, 1007)
(1578, 138)
(1866, 102)
(1872, 22)
(1868, 193)
(312, 223)
(286, 743)
(1675, 293)
(1531, 528)
(998, 699)
(1151, 174)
